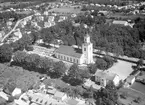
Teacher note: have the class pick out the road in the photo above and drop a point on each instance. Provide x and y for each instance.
(11, 30)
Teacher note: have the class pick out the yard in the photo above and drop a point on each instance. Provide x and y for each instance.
(131, 95)
(139, 87)
(122, 16)
(66, 10)
(122, 68)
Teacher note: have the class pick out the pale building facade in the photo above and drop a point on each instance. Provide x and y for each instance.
(74, 55)
(104, 77)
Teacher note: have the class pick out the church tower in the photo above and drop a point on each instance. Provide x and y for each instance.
(87, 49)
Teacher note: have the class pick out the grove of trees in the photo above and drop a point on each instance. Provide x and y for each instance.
(120, 40)
(5, 53)
(34, 62)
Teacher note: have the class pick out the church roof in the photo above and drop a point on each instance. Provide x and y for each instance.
(70, 51)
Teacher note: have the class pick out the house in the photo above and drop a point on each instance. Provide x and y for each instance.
(60, 96)
(72, 102)
(103, 13)
(131, 79)
(75, 101)
(120, 22)
(104, 77)
(17, 91)
(47, 24)
(4, 95)
(51, 91)
(51, 18)
(23, 23)
(9, 88)
(74, 55)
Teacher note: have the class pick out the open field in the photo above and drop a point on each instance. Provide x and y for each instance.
(125, 17)
(22, 78)
(66, 10)
(131, 95)
(139, 87)
(121, 68)
(11, 4)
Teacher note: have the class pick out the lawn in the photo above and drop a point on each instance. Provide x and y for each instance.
(66, 10)
(120, 15)
(22, 78)
(139, 87)
(122, 68)
(131, 95)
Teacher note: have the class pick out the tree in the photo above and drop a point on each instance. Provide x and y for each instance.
(74, 71)
(5, 53)
(107, 96)
(84, 74)
(59, 69)
(140, 63)
(92, 68)
(19, 57)
(109, 61)
(101, 64)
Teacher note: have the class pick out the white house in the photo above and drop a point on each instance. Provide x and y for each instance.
(74, 55)
(130, 80)
(104, 77)
(17, 91)
(120, 22)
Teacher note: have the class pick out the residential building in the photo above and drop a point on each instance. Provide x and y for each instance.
(105, 77)
(120, 22)
(74, 55)
(60, 96)
(130, 80)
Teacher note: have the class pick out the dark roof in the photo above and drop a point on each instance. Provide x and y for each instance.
(70, 51)
(9, 89)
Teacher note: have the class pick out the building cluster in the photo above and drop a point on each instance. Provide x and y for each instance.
(43, 95)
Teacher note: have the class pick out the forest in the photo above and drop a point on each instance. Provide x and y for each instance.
(120, 40)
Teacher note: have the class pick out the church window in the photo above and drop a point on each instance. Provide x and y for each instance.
(61, 57)
(84, 49)
(64, 57)
(71, 59)
(74, 61)
(58, 56)
(67, 59)
(77, 61)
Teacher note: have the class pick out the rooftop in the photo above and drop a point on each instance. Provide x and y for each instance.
(58, 95)
(72, 102)
(130, 78)
(119, 22)
(105, 74)
(70, 51)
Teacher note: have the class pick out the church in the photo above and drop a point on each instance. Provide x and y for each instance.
(74, 55)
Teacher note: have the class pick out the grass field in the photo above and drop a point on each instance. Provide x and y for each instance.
(66, 10)
(131, 95)
(11, 4)
(22, 78)
(139, 87)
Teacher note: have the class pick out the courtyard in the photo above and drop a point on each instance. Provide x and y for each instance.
(122, 68)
